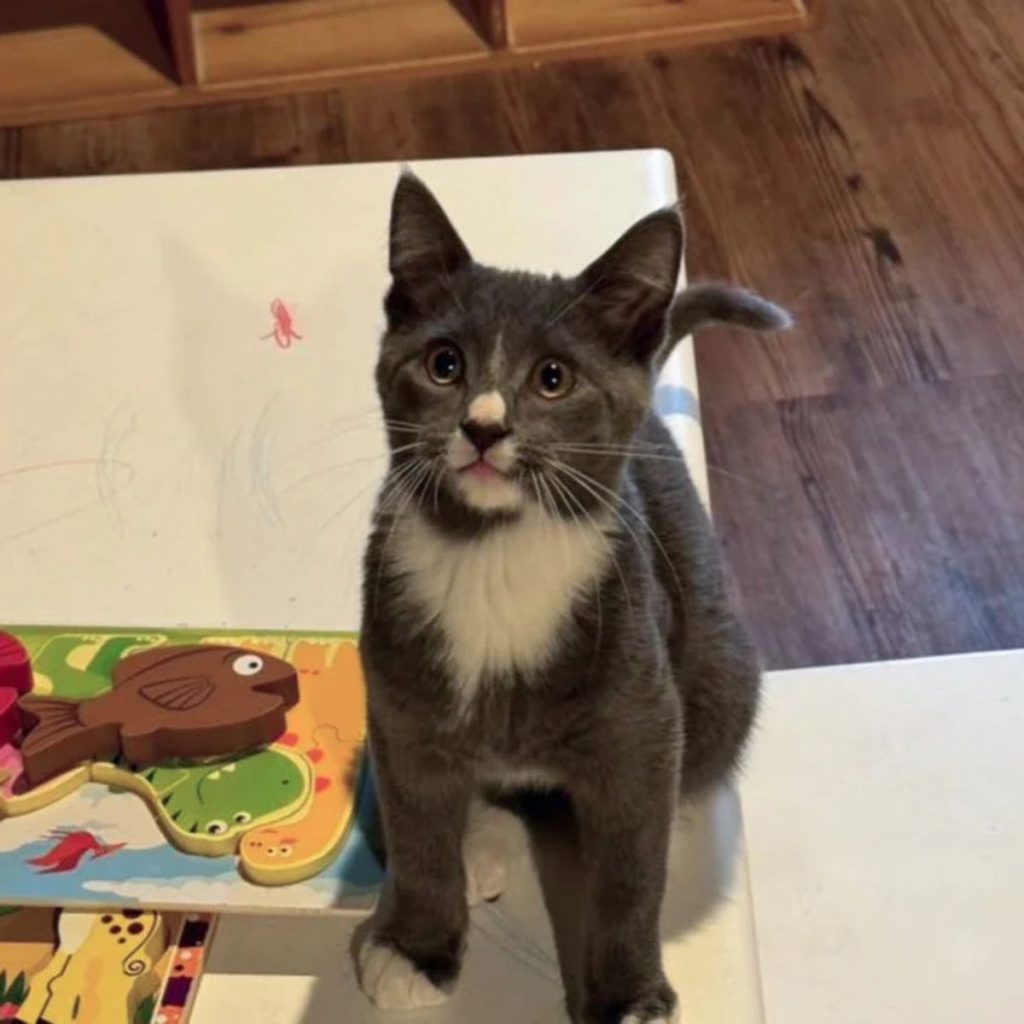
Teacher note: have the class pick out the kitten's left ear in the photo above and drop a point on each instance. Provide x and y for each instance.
(423, 244)
(630, 287)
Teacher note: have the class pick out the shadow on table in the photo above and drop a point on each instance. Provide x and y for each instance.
(702, 860)
(520, 947)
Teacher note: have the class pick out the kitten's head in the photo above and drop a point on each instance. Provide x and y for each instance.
(503, 390)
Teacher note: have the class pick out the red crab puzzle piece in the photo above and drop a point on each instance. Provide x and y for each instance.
(15, 680)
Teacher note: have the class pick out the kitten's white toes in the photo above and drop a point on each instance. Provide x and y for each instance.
(493, 840)
(392, 982)
(641, 1018)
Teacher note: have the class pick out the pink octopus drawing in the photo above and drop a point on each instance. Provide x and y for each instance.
(284, 332)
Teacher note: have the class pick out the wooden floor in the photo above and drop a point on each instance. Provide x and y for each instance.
(868, 468)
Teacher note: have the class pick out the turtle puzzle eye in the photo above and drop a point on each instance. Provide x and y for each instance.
(216, 827)
(242, 818)
(247, 665)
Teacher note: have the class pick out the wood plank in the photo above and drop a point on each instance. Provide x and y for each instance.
(65, 55)
(281, 61)
(541, 24)
(881, 524)
(293, 38)
(489, 18)
(179, 22)
(908, 205)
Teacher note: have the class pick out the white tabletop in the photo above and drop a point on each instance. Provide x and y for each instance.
(884, 809)
(164, 462)
(298, 970)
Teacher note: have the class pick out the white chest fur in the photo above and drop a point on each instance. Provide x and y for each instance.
(500, 599)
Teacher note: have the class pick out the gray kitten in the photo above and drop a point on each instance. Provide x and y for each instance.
(543, 602)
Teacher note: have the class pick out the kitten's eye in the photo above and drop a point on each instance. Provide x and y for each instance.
(444, 363)
(553, 379)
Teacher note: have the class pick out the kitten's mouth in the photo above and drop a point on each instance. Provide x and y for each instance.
(481, 469)
(481, 485)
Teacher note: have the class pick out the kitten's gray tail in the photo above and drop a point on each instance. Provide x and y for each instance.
(703, 304)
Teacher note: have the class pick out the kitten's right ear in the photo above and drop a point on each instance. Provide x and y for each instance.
(425, 250)
(630, 286)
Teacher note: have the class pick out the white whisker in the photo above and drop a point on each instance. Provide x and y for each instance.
(584, 480)
(438, 477)
(423, 475)
(573, 302)
(613, 453)
(569, 496)
(388, 483)
(394, 485)
(336, 467)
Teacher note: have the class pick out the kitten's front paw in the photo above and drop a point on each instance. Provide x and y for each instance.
(658, 1006)
(633, 1018)
(392, 981)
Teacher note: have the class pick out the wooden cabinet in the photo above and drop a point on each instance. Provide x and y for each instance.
(68, 58)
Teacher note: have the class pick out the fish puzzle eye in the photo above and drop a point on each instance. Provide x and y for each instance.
(216, 827)
(247, 665)
(242, 818)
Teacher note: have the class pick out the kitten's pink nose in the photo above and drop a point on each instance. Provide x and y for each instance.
(483, 435)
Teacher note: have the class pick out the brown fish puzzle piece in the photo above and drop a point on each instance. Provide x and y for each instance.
(188, 701)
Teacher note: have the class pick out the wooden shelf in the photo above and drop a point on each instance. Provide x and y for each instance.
(298, 38)
(78, 56)
(565, 25)
(75, 58)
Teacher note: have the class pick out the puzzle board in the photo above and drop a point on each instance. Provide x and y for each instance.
(286, 826)
(113, 967)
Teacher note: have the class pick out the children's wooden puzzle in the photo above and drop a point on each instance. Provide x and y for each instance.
(108, 967)
(175, 768)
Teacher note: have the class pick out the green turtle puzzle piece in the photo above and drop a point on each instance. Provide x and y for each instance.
(207, 808)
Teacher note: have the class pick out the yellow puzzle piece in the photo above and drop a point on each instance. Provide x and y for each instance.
(102, 968)
(13, 803)
(27, 939)
(328, 726)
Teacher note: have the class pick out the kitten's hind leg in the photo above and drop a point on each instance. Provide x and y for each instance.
(495, 838)
(720, 686)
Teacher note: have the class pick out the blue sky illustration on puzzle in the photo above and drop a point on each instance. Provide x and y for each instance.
(149, 870)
